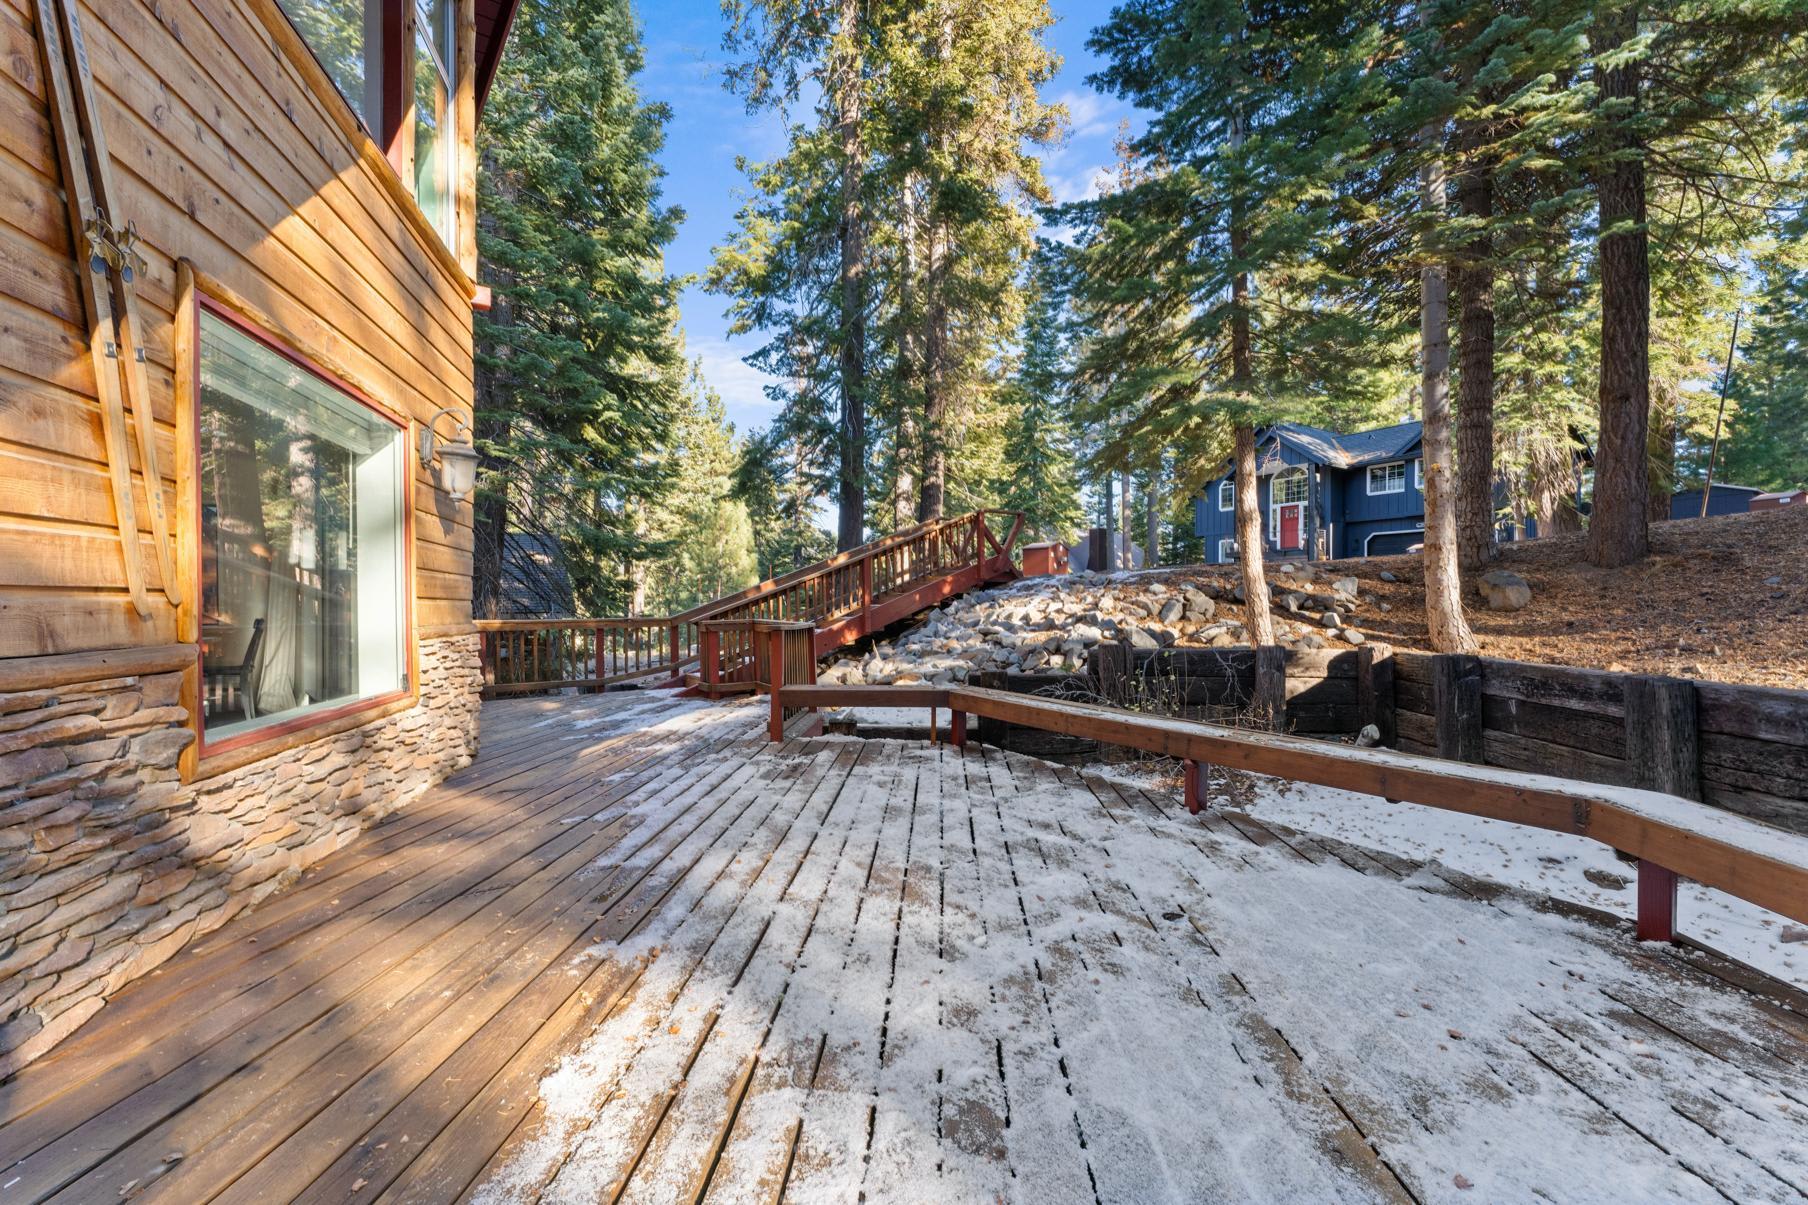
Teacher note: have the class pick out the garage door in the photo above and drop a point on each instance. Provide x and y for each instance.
(1392, 543)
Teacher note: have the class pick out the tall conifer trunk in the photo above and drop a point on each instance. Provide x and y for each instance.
(851, 520)
(907, 446)
(936, 399)
(1449, 631)
(1152, 546)
(1618, 531)
(1260, 623)
(1474, 281)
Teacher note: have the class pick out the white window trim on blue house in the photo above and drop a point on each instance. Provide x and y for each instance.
(1418, 473)
(1276, 501)
(1388, 481)
(1227, 548)
(1227, 503)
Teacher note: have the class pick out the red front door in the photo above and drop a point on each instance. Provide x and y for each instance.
(1290, 523)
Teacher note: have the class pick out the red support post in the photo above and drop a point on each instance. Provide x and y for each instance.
(672, 644)
(957, 729)
(932, 739)
(775, 730)
(711, 654)
(1656, 902)
(866, 595)
(1195, 788)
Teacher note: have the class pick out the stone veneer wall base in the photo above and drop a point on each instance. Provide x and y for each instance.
(110, 864)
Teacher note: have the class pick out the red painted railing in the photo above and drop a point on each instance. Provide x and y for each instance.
(847, 596)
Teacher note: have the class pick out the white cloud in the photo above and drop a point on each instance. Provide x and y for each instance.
(1090, 114)
(1082, 185)
(741, 385)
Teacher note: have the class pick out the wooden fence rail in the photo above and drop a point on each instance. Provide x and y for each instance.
(523, 655)
(1669, 835)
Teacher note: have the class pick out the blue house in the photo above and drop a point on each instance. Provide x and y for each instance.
(1324, 496)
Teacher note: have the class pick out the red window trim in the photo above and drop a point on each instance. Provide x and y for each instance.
(275, 343)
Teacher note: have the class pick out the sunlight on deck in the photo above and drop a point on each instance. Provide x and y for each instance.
(636, 952)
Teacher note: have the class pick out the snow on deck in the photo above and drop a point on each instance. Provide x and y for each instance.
(920, 974)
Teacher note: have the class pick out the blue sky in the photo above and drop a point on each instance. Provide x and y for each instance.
(709, 128)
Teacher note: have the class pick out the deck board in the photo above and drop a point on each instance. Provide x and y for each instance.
(635, 952)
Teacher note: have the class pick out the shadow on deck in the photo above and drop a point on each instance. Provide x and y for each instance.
(831, 967)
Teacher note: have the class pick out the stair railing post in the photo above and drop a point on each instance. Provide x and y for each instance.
(775, 669)
(711, 656)
(866, 595)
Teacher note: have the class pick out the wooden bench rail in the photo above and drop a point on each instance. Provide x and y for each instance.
(1670, 836)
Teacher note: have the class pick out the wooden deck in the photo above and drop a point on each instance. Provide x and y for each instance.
(635, 952)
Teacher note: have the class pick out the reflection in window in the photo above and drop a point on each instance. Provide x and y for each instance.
(347, 37)
(434, 136)
(302, 539)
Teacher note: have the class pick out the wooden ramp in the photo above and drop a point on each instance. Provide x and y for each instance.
(635, 952)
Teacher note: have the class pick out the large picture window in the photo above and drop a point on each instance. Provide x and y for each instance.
(303, 539)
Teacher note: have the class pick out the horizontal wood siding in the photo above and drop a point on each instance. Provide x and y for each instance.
(225, 154)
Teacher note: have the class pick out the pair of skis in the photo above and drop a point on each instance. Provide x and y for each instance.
(107, 261)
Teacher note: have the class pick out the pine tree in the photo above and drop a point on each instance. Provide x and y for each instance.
(578, 369)
(1039, 476)
(1686, 93)
(705, 531)
(786, 45)
(1218, 288)
(1765, 443)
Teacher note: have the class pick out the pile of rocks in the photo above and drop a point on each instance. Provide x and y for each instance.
(1049, 625)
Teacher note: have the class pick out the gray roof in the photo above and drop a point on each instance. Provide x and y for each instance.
(1349, 451)
(535, 584)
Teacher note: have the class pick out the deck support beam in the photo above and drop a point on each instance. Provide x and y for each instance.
(1656, 902)
(957, 729)
(1197, 791)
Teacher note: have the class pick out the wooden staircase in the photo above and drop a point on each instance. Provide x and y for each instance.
(844, 598)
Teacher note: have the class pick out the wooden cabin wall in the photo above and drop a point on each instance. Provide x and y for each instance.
(227, 154)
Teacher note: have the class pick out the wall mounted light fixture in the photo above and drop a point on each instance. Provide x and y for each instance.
(456, 472)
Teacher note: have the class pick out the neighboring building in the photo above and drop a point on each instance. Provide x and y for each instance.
(199, 709)
(1324, 495)
(1780, 499)
(1723, 500)
(535, 583)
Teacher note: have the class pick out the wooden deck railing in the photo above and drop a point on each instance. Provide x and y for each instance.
(1669, 836)
(845, 597)
(523, 655)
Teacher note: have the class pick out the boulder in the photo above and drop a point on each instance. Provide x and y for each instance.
(1369, 737)
(1388, 577)
(1331, 619)
(1346, 586)
(1504, 590)
(1352, 636)
(1171, 611)
(1140, 639)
